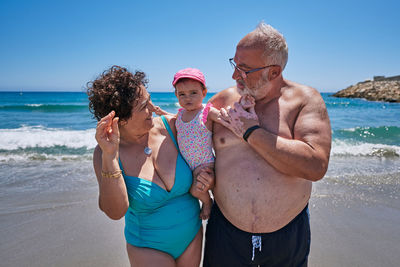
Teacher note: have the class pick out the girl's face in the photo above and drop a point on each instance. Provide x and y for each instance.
(190, 94)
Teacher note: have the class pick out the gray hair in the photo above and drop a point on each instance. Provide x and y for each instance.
(273, 43)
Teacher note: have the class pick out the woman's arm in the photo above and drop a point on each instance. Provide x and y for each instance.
(113, 197)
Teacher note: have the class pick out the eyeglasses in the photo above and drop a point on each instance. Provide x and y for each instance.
(243, 72)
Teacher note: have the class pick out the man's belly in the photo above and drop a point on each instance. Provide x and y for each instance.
(252, 195)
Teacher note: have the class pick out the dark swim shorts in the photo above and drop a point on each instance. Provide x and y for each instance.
(227, 245)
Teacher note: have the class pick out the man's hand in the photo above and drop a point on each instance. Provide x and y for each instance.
(237, 119)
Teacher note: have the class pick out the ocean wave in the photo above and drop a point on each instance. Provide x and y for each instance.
(388, 135)
(349, 148)
(34, 105)
(35, 157)
(168, 105)
(42, 143)
(39, 137)
(45, 108)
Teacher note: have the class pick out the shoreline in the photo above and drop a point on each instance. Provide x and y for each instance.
(350, 226)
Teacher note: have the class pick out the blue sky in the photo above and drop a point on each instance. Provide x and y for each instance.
(61, 45)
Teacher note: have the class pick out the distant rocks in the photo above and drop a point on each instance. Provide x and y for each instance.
(380, 89)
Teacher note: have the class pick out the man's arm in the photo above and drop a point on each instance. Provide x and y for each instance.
(307, 154)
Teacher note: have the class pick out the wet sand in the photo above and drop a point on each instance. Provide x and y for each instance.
(350, 227)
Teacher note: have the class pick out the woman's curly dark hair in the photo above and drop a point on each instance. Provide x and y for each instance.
(115, 89)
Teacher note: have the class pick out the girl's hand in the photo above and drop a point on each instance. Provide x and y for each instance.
(160, 112)
(237, 119)
(107, 134)
(247, 102)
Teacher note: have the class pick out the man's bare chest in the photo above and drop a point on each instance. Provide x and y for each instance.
(270, 120)
(276, 122)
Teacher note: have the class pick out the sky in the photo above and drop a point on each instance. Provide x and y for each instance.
(62, 45)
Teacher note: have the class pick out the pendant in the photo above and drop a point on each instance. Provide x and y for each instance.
(147, 150)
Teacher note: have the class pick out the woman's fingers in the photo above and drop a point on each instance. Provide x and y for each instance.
(206, 179)
(107, 129)
(207, 176)
(105, 123)
(108, 118)
(114, 126)
(199, 187)
(202, 180)
(101, 129)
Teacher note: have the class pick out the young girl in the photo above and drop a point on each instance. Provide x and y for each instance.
(193, 126)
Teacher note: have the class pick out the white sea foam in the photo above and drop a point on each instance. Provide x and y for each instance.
(34, 105)
(347, 148)
(42, 137)
(39, 136)
(43, 157)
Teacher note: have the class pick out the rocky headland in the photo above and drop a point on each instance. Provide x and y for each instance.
(381, 88)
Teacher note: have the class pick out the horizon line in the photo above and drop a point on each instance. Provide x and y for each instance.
(71, 91)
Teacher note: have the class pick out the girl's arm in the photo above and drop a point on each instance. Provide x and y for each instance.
(160, 111)
(211, 114)
(245, 101)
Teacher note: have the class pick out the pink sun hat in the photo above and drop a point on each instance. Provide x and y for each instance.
(190, 73)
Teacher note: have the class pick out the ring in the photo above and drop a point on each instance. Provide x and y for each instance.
(202, 187)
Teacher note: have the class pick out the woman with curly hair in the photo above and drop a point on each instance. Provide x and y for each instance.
(141, 173)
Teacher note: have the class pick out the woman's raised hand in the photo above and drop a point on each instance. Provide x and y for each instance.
(107, 134)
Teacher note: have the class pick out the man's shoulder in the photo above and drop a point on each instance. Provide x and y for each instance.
(300, 92)
(225, 96)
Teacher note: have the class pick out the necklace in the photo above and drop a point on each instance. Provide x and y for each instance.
(147, 150)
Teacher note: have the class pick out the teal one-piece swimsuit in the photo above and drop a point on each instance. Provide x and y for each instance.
(158, 219)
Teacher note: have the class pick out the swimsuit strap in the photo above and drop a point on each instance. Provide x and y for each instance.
(169, 131)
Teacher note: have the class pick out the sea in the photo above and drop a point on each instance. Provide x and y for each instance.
(47, 141)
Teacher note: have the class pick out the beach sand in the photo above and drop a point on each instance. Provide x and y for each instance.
(349, 228)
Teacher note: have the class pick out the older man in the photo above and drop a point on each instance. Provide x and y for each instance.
(267, 156)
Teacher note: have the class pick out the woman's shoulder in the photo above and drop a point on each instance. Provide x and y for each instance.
(158, 122)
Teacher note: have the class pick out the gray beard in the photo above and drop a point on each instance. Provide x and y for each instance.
(247, 91)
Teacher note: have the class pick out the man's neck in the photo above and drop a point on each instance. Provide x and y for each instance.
(275, 91)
